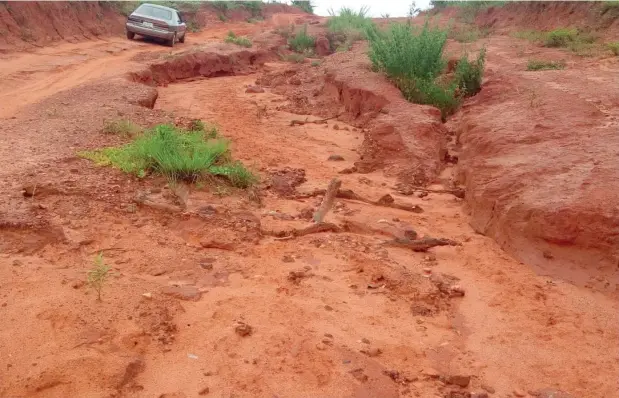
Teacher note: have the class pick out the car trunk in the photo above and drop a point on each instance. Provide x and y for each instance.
(148, 21)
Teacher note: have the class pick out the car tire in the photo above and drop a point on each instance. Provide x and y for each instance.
(182, 39)
(130, 35)
(172, 41)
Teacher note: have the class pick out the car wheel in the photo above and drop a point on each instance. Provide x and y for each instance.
(172, 41)
(130, 35)
(182, 39)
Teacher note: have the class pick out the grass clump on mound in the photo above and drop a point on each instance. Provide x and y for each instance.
(238, 40)
(302, 42)
(124, 128)
(536, 64)
(177, 154)
(348, 26)
(412, 58)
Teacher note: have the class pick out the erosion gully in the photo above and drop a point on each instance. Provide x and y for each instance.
(331, 314)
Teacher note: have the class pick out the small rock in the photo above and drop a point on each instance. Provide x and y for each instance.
(548, 255)
(519, 393)
(204, 391)
(336, 127)
(185, 292)
(365, 341)
(488, 388)
(359, 375)
(422, 194)
(216, 244)
(28, 190)
(288, 259)
(335, 158)
(148, 295)
(77, 284)
(158, 271)
(430, 372)
(207, 265)
(254, 89)
(479, 394)
(459, 380)
(243, 329)
(17, 263)
(551, 393)
(348, 170)
(296, 276)
(372, 352)
(410, 234)
(328, 308)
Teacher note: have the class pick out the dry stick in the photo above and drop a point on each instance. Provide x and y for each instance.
(319, 121)
(328, 200)
(385, 201)
(457, 192)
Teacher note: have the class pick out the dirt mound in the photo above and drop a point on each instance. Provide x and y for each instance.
(214, 61)
(38, 23)
(403, 139)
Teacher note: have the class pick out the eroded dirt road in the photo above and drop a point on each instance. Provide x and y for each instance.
(333, 314)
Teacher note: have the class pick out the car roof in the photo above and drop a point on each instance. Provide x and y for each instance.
(157, 6)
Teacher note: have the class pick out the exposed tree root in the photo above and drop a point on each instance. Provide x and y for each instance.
(311, 229)
(327, 200)
(306, 121)
(457, 192)
(385, 201)
(420, 245)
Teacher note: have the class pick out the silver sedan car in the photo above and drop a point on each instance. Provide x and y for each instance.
(151, 20)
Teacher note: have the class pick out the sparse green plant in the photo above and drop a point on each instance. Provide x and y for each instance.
(561, 37)
(301, 41)
(223, 18)
(98, 275)
(177, 154)
(122, 127)
(304, 5)
(536, 64)
(531, 35)
(315, 63)
(285, 31)
(468, 34)
(613, 47)
(385, 15)
(238, 40)
(193, 27)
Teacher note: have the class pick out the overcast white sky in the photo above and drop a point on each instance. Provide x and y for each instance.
(395, 8)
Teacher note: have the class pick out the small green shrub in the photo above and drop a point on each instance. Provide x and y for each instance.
(304, 5)
(124, 128)
(193, 27)
(98, 275)
(531, 35)
(613, 47)
(315, 63)
(175, 153)
(223, 18)
(238, 40)
(354, 25)
(285, 31)
(561, 37)
(536, 64)
(469, 75)
(301, 41)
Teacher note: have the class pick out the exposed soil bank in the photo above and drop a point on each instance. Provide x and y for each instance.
(540, 158)
(402, 139)
(211, 61)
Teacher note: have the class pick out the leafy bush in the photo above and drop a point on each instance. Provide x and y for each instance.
(301, 41)
(561, 37)
(613, 47)
(469, 75)
(239, 41)
(121, 127)
(412, 58)
(304, 5)
(536, 64)
(175, 153)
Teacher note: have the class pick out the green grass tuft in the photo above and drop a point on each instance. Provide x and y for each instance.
(561, 37)
(349, 26)
(177, 154)
(536, 64)
(124, 128)
(304, 5)
(238, 40)
(613, 47)
(301, 41)
(294, 57)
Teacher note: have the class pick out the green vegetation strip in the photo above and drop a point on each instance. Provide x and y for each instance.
(177, 154)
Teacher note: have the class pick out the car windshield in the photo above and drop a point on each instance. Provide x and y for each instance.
(154, 12)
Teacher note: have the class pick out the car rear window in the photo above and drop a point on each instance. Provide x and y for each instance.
(154, 12)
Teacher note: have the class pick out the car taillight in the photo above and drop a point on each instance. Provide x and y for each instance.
(133, 19)
(161, 25)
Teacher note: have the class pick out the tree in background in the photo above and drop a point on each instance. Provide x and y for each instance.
(305, 5)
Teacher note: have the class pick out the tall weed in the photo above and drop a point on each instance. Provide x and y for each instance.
(301, 41)
(348, 26)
